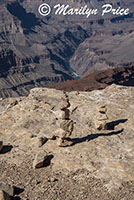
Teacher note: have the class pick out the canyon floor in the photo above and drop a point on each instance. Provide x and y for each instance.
(99, 165)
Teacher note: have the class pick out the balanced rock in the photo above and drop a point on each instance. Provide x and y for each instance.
(66, 125)
(4, 195)
(40, 159)
(60, 133)
(1, 145)
(101, 117)
(63, 105)
(101, 108)
(101, 125)
(60, 114)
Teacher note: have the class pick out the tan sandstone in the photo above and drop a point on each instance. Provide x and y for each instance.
(106, 154)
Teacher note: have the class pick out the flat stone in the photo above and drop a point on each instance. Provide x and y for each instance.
(101, 108)
(101, 125)
(60, 114)
(60, 133)
(66, 125)
(4, 195)
(49, 135)
(64, 142)
(101, 117)
(1, 145)
(40, 159)
(63, 105)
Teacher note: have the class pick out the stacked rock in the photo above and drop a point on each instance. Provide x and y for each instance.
(101, 117)
(65, 125)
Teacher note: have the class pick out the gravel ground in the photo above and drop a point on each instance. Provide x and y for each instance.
(46, 184)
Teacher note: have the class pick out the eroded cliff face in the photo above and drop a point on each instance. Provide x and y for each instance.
(103, 53)
(40, 51)
(34, 51)
(104, 157)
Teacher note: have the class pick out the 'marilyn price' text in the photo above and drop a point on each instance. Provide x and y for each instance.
(106, 9)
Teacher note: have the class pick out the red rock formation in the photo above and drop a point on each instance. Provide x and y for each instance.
(100, 79)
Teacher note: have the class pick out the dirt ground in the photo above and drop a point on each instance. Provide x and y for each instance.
(46, 184)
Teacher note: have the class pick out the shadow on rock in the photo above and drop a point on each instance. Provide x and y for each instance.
(6, 149)
(48, 161)
(94, 136)
(111, 125)
(18, 190)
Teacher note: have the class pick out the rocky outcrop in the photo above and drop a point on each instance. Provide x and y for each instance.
(99, 80)
(103, 52)
(98, 153)
(32, 54)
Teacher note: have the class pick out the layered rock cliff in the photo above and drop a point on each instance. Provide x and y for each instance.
(41, 51)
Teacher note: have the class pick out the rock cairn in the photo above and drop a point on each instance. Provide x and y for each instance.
(101, 117)
(64, 123)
